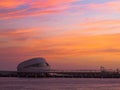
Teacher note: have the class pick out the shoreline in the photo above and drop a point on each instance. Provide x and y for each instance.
(61, 74)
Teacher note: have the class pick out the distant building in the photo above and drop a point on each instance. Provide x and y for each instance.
(33, 65)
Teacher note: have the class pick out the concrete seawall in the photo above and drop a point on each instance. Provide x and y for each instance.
(61, 74)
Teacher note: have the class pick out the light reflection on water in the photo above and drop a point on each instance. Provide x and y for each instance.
(58, 84)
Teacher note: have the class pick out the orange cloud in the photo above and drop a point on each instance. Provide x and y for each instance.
(94, 27)
(99, 23)
(75, 49)
(11, 3)
(50, 3)
(76, 46)
(16, 36)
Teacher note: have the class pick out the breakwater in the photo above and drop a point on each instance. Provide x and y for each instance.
(62, 74)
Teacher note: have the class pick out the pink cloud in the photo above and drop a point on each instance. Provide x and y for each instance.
(53, 7)
(48, 7)
(112, 6)
(40, 8)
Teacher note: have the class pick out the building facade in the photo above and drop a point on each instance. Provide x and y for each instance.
(33, 65)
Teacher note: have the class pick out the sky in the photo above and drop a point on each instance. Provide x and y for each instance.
(70, 34)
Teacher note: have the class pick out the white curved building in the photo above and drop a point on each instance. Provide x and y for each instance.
(33, 65)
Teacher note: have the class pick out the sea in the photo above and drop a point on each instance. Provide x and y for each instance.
(58, 84)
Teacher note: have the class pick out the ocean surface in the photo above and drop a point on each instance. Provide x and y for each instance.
(58, 84)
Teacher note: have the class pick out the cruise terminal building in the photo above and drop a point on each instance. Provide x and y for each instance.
(33, 65)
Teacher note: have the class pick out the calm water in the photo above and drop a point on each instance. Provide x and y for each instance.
(58, 84)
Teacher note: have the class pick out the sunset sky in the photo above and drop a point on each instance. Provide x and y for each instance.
(70, 34)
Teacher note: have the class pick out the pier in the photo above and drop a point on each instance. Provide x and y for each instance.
(62, 74)
(39, 68)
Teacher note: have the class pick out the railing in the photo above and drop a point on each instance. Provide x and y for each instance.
(54, 70)
(74, 71)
